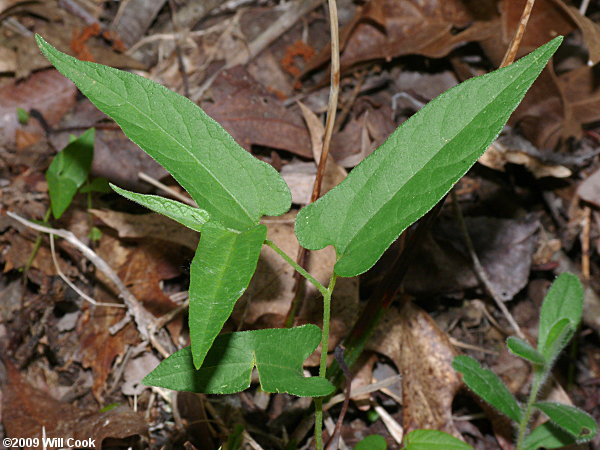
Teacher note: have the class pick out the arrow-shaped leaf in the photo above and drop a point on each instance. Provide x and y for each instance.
(186, 215)
(278, 355)
(221, 270)
(418, 164)
(573, 420)
(234, 187)
(488, 386)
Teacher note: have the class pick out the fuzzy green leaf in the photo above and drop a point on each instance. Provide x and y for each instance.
(69, 170)
(564, 300)
(558, 337)
(220, 272)
(573, 420)
(186, 215)
(278, 355)
(372, 442)
(22, 116)
(433, 440)
(488, 386)
(418, 164)
(234, 187)
(522, 349)
(547, 435)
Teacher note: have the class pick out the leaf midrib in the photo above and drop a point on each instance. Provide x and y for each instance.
(428, 162)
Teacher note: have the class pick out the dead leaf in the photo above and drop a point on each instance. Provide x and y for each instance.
(385, 29)
(151, 225)
(589, 189)
(48, 92)
(423, 355)
(513, 149)
(254, 116)
(99, 348)
(505, 248)
(26, 410)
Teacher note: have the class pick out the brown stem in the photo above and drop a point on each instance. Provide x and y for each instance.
(511, 52)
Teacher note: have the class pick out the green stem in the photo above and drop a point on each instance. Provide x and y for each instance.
(538, 378)
(323, 366)
(322, 289)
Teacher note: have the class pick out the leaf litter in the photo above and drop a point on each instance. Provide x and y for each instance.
(394, 55)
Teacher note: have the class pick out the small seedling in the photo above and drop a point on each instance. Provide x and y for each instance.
(559, 319)
(391, 189)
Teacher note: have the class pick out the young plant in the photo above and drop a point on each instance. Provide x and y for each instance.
(391, 189)
(559, 319)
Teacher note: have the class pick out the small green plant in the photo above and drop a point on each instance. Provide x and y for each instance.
(416, 440)
(559, 319)
(391, 189)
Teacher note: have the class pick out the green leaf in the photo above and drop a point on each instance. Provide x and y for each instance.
(488, 386)
(417, 165)
(564, 300)
(220, 272)
(95, 234)
(236, 438)
(234, 187)
(372, 442)
(547, 435)
(99, 184)
(278, 355)
(433, 440)
(558, 337)
(573, 420)
(186, 215)
(68, 171)
(522, 349)
(22, 116)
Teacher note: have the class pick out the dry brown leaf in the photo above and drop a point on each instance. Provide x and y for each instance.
(151, 225)
(385, 29)
(253, 116)
(48, 92)
(589, 189)
(423, 355)
(26, 410)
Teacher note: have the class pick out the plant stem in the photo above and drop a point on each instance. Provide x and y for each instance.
(323, 364)
(538, 377)
(322, 289)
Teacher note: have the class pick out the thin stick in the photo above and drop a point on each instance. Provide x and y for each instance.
(334, 90)
(480, 272)
(585, 244)
(511, 52)
(172, 192)
(143, 319)
(71, 285)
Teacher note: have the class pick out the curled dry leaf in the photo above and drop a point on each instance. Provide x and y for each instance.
(423, 355)
(26, 410)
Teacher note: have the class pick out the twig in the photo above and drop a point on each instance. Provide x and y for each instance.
(480, 272)
(583, 7)
(71, 285)
(334, 440)
(379, 385)
(395, 429)
(585, 244)
(511, 52)
(143, 319)
(334, 90)
(172, 192)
